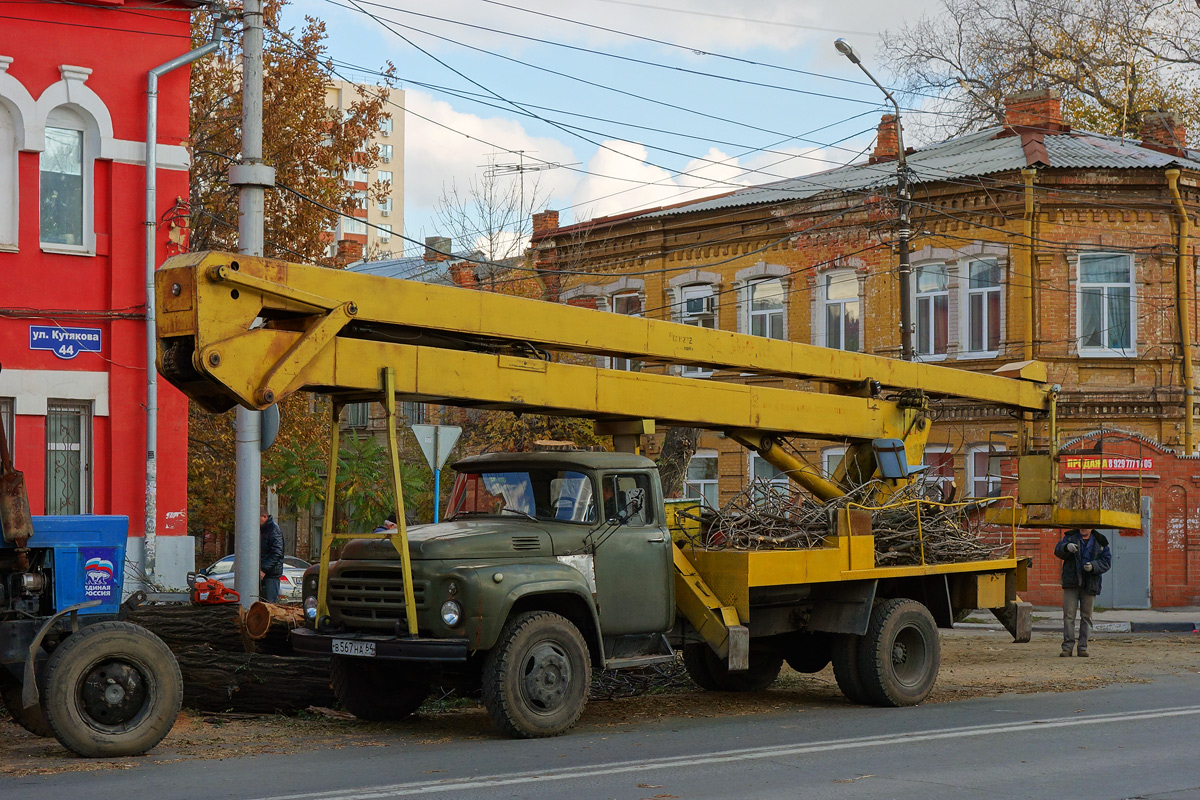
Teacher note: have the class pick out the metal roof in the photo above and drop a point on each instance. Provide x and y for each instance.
(973, 155)
(414, 268)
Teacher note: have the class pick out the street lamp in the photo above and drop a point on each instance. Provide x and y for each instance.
(905, 231)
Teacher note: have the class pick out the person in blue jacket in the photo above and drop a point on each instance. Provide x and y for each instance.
(1086, 556)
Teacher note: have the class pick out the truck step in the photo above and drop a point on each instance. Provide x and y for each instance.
(637, 661)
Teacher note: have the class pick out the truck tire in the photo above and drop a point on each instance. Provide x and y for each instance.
(900, 654)
(112, 689)
(808, 651)
(706, 670)
(31, 719)
(376, 691)
(537, 678)
(846, 669)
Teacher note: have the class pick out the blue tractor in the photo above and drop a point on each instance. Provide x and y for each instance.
(70, 667)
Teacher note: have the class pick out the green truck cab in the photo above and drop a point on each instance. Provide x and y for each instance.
(548, 565)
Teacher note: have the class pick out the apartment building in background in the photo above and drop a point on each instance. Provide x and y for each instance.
(375, 222)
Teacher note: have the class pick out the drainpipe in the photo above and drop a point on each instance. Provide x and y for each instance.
(151, 222)
(1028, 175)
(1181, 305)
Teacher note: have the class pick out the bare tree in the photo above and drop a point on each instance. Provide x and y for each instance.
(491, 216)
(1112, 61)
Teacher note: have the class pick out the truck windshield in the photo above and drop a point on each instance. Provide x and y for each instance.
(544, 494)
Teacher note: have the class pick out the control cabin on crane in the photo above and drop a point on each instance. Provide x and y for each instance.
(554, 564)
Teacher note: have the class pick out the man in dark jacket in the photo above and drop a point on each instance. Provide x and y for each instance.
(270, 559)
(1086, 556)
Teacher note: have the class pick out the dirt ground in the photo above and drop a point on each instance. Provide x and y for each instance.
(975, 663)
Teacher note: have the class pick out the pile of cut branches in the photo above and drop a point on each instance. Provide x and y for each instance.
(911, 529)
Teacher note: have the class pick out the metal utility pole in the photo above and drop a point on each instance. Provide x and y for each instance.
(904, 232)
(252, 177)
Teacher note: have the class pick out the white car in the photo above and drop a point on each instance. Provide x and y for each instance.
(291, 583)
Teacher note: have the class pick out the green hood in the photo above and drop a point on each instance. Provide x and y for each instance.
(516, 538)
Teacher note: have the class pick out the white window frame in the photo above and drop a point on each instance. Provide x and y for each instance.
(353, 225)
(825, 302)
(943, 482)
(385, 125)
(385, 153)
(1104, 351)
(70, 119)
(991, 477)
(384, 230)
(750, 315)
(355, 173)
(967, 351)
(828, 454)
(707, 313)
(927, 318)
(707, 490)
(612, 301)
(384, 176)
(777, 479)
(84, 447)
(385, 204)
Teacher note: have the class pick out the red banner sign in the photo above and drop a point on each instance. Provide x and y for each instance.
(1108, 463)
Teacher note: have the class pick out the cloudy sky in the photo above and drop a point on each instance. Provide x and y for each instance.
(627, 104)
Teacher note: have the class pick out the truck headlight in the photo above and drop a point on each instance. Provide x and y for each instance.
(310, 606)
(451, 613)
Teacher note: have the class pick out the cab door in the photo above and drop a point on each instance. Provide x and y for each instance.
(635, 580)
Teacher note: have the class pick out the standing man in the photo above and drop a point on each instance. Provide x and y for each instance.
(270, 564)
(1086, 556)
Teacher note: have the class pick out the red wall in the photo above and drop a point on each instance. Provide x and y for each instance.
(120, 42)
(1173, 488)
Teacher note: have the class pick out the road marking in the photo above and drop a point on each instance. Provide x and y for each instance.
(728, 756)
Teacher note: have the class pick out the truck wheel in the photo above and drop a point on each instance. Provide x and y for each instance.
(900, 653)
(537, 677)
(807, 651)
(708, 672)
(112, 689)
(31, 719)
(376, 691)
(846, 670)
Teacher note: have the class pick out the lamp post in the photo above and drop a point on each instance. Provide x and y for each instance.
(905, 229)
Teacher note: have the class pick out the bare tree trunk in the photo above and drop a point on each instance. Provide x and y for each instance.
(679, 446)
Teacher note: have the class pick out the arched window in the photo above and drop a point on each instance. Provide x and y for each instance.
(66, 182)
(8, 179)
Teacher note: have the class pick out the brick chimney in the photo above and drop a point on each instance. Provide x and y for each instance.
(887, 147)
(544, 223)
(348, 252)
(1037, 108)
(463, 274)
(437, 248)
(1163, 131)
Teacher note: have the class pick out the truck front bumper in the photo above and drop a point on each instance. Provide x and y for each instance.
(393, 648)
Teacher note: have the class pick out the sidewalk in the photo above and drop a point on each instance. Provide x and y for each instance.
(1116, 620)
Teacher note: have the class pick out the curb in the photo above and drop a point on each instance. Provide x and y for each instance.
(1101, 627)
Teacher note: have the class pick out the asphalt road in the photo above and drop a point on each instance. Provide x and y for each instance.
(1128, 741)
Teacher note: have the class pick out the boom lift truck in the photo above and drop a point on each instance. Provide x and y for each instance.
(554, 564)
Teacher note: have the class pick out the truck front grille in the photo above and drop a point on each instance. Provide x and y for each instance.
(371, 599)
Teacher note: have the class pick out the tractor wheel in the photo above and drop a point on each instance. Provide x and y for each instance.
(846, 667)
(112, 689)
(807, 651)
(537, 678)
(706, 670)
(376, 691)
(900, 654)
(31, 719)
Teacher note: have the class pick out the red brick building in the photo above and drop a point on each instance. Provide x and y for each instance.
(73, 391)
(1031, 240)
